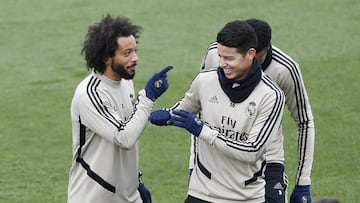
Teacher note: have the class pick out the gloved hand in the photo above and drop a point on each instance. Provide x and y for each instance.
(275, 185)
(144, 193)
(187, 120)
(160, 117)
(157, 84)
(301, 194)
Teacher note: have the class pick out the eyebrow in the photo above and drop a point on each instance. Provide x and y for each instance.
(129, 50)
(227, 56)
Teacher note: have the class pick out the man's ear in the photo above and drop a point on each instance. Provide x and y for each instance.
(108, 61)
(251, 53)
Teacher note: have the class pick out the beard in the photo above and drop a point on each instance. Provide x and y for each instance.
(121, 70)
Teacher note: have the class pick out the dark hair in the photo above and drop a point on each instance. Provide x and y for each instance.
(238, 34)
(101, 40)
(263, 32)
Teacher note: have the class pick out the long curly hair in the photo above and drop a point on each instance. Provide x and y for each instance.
(101, 40)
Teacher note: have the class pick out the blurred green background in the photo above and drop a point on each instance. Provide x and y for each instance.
(40, 63)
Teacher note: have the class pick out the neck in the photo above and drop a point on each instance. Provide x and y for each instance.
(109, 73)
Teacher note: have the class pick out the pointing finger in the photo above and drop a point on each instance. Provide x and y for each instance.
(165, 70)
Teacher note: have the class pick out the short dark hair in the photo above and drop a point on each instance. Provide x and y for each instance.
(238, 34)
(263, 32)
(101, 40)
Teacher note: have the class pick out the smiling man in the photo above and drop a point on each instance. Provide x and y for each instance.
(286, 72)
(240, 111)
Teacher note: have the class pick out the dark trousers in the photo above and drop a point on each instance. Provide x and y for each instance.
(191, 199)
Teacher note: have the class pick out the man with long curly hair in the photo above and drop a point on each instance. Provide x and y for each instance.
(107, 119)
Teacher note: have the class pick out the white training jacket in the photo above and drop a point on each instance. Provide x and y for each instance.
(287, 74)
(232, 144)
(107, 122)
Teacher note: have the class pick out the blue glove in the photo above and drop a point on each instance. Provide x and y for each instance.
(187, 120)
(275, 185)
(301, 194)
(157, 84)
(144, 193)
(160, 117)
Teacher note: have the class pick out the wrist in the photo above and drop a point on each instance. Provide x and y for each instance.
(144, 99)
(208, 135)
(199, 126)
(302, 187)
(149, 95)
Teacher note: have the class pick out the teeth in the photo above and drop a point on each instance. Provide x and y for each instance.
(227, 70)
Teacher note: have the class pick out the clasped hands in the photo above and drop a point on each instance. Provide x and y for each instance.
(179, 118)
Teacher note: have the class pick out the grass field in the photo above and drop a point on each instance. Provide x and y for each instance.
(41, 65)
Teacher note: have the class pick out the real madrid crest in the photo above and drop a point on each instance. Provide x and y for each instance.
(158, 83)
(133, 100)
(250, 109)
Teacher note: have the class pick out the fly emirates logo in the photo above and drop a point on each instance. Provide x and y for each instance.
(227, 130)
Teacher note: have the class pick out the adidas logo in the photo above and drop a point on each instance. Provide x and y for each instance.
(278, 186)
(213, 100)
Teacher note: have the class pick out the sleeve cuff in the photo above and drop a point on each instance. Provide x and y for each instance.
(145, 99)
(208, 134)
